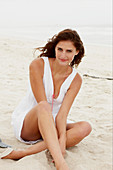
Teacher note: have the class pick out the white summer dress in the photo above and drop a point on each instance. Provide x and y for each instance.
(29, 100)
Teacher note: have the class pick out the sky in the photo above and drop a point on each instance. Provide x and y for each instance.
(51, 12)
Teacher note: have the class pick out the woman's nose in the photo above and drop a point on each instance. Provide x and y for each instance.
(63, 53)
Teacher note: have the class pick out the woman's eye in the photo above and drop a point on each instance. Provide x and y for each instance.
(60, 49)
(69, 51)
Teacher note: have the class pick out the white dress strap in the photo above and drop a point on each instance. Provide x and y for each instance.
(47, 80)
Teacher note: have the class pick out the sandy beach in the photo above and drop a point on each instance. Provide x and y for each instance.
(93, 104)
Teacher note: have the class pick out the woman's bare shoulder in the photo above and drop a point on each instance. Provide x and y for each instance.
(77, 81)
(78, 77)
(37, 65)
(38, 62)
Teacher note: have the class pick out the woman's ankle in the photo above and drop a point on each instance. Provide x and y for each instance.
(60, 163)
(62, 166)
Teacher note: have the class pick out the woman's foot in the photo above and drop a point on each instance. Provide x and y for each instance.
(62, 166)
(13, 154)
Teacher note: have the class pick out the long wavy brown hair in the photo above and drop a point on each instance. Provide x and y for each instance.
(49, 49)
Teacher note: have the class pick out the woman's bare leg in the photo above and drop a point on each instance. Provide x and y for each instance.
(75, 133)
(49, 134)
(39, 123)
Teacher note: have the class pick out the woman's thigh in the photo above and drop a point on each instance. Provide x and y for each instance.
(30, 130)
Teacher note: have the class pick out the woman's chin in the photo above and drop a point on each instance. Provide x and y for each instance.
(63, 63)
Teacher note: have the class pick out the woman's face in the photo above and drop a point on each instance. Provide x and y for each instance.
(65, 52)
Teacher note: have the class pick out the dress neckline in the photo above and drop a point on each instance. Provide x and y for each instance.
(61, 84)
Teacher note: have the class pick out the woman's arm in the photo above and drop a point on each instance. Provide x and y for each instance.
(61, 117)
(36, 70)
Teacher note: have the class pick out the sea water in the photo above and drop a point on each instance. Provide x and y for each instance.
(97, 35)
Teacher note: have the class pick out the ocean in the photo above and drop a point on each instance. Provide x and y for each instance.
(97, 35)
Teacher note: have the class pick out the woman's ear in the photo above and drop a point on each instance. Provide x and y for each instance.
(77, 52)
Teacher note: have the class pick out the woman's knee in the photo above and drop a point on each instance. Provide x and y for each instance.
(85, 128)
(43, 107)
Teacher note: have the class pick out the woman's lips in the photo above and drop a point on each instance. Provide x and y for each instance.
(63, 60)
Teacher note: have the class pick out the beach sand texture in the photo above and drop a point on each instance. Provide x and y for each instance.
(93, 104)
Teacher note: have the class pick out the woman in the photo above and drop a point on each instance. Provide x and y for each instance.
(53, 86)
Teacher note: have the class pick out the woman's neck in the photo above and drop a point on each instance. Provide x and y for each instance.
(59, 69)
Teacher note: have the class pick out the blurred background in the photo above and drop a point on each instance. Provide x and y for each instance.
(39, 19)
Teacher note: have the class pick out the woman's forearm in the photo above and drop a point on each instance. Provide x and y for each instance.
(61, 126)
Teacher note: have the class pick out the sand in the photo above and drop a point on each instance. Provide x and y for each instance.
(93, 104)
